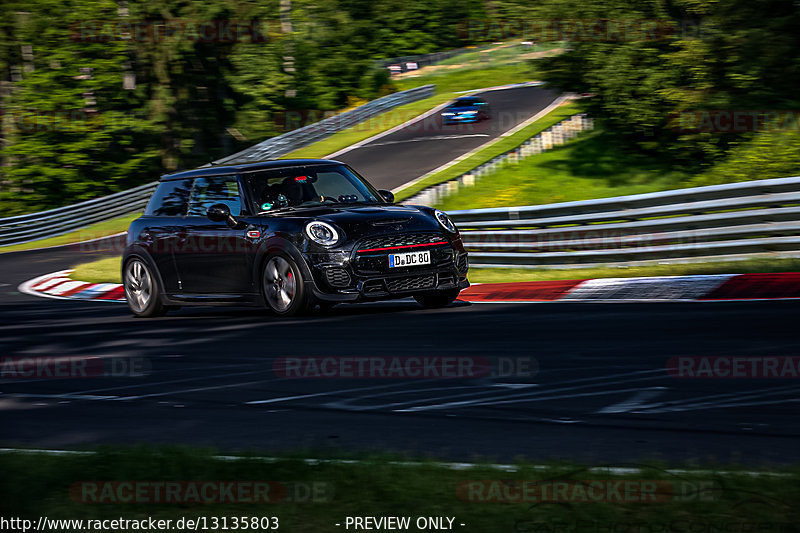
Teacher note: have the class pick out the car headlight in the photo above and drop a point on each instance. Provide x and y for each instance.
(445, 221)
(448, 114)
(322, 233)
(469, 112)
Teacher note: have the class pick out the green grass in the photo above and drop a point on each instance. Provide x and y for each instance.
(594, 165)
(108, 271)
(747, 266)
(39, 485)
(503, 144)
(105, 270)
(447, 83)
(101, 229)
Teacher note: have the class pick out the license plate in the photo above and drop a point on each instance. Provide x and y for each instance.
(409, 259)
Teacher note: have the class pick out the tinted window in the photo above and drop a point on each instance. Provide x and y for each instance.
(332, 184)
(311, 186)
(215, 190)
(170, 199)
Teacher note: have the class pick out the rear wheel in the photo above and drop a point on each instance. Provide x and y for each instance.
(431, 300)
(141, 290)
(283, 287)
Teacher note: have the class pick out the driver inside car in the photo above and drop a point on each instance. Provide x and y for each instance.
(292, 191)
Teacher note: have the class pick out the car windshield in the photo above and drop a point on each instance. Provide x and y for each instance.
(465, 102)
(308, 186)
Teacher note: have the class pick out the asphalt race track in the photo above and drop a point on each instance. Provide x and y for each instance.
(594, 386)
(425, 144)
(601, 393)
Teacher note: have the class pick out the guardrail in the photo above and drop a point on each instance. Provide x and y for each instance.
(34, 226)
(732, 221)
(283, 144)
(719, 222)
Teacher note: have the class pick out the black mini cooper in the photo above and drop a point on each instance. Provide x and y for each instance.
(290, 234)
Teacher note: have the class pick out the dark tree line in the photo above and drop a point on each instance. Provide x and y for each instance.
(89, 109)
(95, 100)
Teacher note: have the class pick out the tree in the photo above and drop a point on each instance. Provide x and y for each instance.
(72, 134)
(719, 55)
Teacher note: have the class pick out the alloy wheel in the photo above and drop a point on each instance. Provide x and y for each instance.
(138, 286)
(280, 284)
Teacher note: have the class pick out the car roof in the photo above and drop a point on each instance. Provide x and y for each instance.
(468, 99)
(221, 170)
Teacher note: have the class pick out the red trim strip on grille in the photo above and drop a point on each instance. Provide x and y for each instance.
(404, 246)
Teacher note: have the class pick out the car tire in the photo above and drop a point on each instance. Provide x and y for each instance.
(282, 286)
(432, 300)
(141, 289)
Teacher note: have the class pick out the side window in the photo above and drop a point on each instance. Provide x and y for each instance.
(215, 190)
(170, 199)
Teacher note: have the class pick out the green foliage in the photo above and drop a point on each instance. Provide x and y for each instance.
(770, 154)
(68, 126)
(739, 54)
(74, 126)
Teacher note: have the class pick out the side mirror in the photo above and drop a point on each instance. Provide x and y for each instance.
(222, 213)
(387, 195)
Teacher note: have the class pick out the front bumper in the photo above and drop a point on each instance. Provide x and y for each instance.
(348, 277)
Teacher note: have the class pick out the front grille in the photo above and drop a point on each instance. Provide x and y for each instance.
(411, 283)
(337, 277)
(399, 239)
(462, 263)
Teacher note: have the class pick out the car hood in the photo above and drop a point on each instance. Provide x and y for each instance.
(364, 220)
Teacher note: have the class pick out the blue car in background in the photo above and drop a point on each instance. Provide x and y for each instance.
(466, 109)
